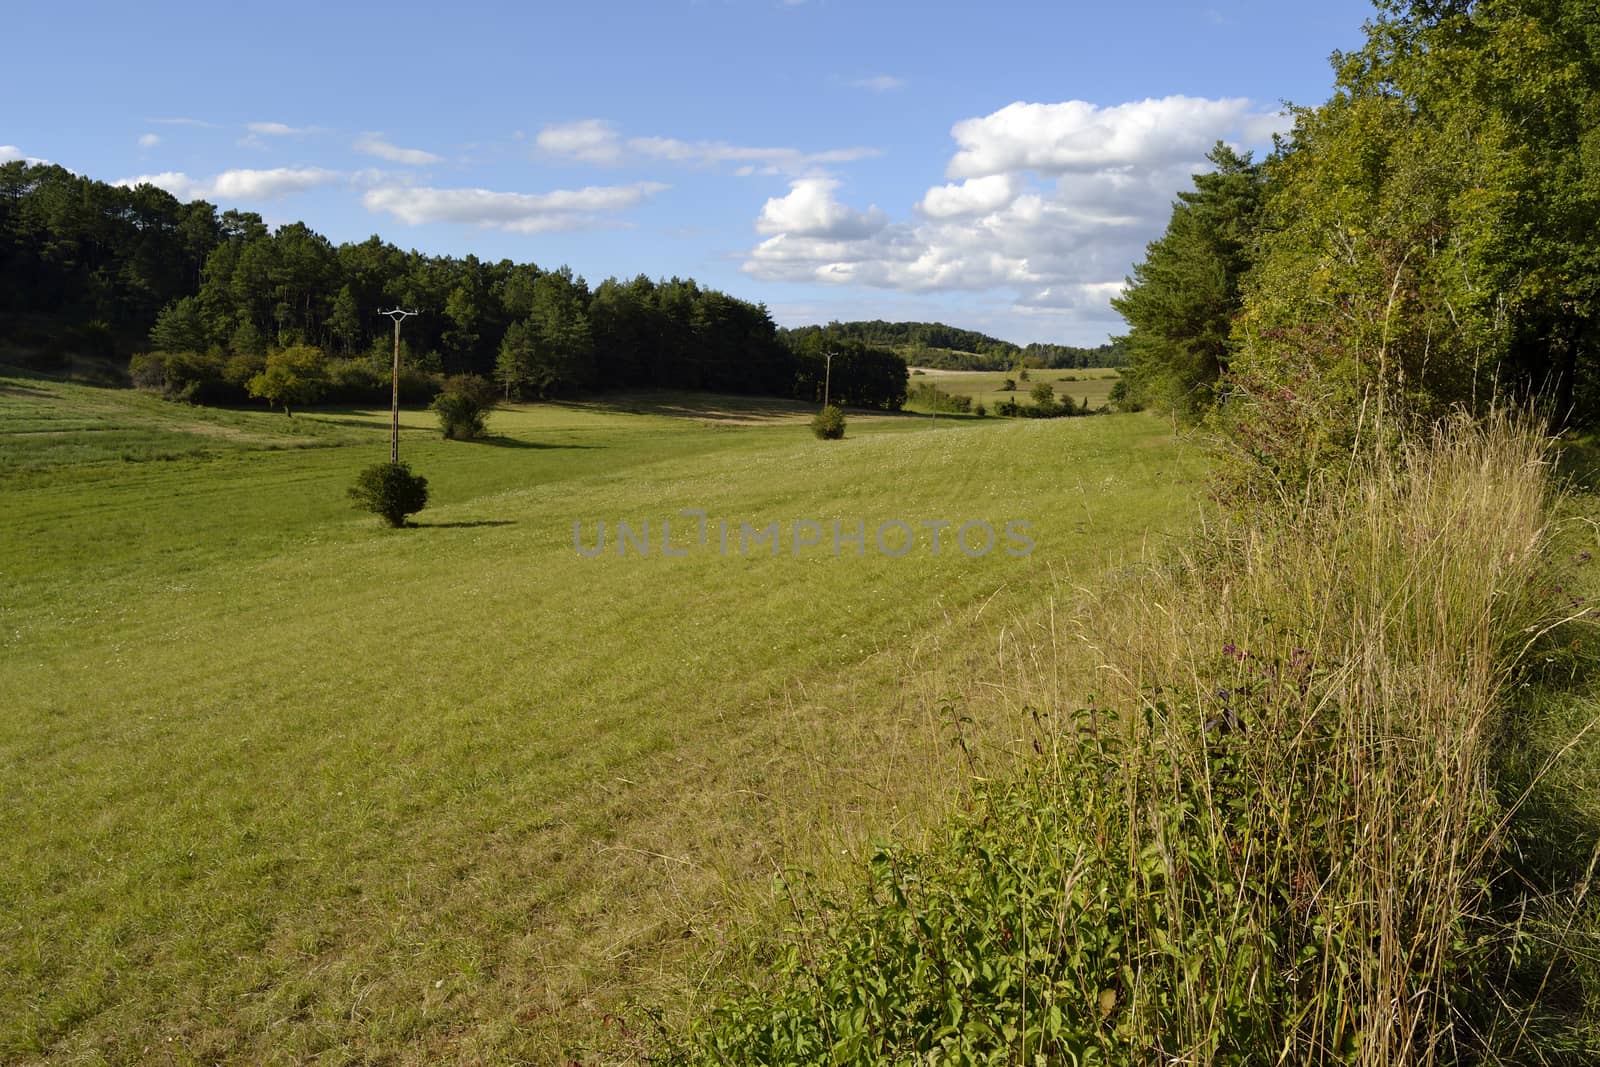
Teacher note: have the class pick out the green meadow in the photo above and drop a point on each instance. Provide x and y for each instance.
(1092, 384)
(281, 784)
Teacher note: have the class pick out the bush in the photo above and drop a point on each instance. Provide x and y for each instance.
(933, 398)
(191, 377)
(148, 371)
(1123, 399)
(356, 381)
(237, 370)
(829, 423)
(367, 381)
(463, 407)
(390, 491)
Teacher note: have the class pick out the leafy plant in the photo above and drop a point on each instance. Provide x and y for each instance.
(828, 424)
(463, 407)
(390, 491)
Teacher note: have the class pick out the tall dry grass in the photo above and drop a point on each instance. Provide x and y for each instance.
(1309, 701)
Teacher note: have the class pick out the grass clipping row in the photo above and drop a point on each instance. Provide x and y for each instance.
(1274, 837)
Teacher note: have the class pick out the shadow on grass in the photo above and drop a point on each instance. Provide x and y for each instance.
(465, 524)
(501, 441)
(737, 409)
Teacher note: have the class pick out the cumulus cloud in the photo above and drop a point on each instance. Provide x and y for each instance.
(880, 83)
(373, 144)
(10, 153)
(561, 209)
(599, 141)
(240, 184)
(975, 196)
(1051, 204)
(810, 210)
(1078, 136)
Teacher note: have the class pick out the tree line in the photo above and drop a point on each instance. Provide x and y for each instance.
(936, 345)
(104, 270)
(1427, 238)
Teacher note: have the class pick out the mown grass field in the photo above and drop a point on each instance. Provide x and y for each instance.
(1092, 384)
(280, 784)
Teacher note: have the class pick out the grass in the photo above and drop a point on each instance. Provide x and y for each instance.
(1291, 825)
(281, 784)
(47, 424)
(1092, 384)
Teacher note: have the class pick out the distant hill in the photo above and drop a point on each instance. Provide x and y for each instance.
(935, 344)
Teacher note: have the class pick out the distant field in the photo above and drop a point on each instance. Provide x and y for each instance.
(1092, 384)
(280, 784)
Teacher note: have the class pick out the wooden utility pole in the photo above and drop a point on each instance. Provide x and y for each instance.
(827, 376)
(399, 315)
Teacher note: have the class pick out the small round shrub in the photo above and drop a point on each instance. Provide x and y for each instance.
(463, 407)
(829, 423)
(390, 491)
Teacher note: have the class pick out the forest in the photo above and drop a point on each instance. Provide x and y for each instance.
(934, 344)
(1429, 235)
(100, 270)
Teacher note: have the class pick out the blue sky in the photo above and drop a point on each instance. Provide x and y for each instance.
(998, 166)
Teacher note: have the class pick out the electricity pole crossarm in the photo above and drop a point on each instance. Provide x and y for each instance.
(399, 315)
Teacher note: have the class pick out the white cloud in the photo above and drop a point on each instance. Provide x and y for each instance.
(811, 211)
(260, 131)
(975, 196)
(586, 140)
(1053, 205)
(1078, 136)
(373, 144)
(10, 153)
(269, 184)
(149, 140)
(276, 129)
(880, 83)
(598, 141)
(201, 123)
(238, 184)
(561, 209)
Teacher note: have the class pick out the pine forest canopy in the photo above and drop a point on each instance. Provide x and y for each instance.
(102, 270)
